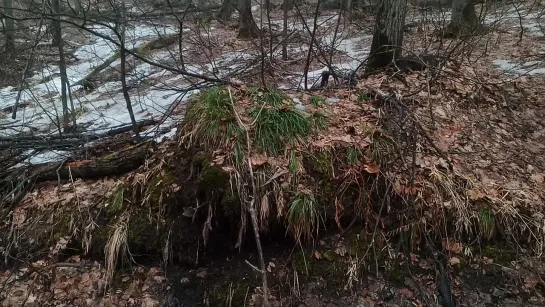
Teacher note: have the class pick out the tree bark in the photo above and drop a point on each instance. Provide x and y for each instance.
(123, 58)
(77, 7)
(55, 23)
(10, 26)
(62, 66)
(116, 163)
(388, 33)
(464, 19)
(286, 6)
(226, 11)
(348, 6)
(247, 28)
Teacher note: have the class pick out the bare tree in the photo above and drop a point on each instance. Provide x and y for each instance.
(10, 26)
(77, 7)
(247, 27)
(121, 31)
(181, 21)
(57, 39)
(286, 7)
(388, 33)
(226, 11)
(463, 19)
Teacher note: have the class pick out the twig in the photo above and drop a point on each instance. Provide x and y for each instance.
(251, 206)
(27, 68)
(58, 174)
(253, 267)
(307, 64)
(423, 131)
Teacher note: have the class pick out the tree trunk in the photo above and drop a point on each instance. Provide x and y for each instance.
(285, 7)
(464, 19)
(348, 6)
(115, 163)
(388, 33)
(55, 23)
(77, 7)
(123, 68)
(247, 28)
(10, 26)
(62, 65)
(226, 11)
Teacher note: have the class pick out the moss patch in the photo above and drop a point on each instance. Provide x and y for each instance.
(212, 177)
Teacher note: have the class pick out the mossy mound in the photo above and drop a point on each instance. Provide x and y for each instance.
(306, 165)
(281, 156)
(311, 164)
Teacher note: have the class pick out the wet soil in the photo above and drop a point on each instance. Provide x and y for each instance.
(332, 274)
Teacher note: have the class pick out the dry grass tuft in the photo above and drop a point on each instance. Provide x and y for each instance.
(116, 247)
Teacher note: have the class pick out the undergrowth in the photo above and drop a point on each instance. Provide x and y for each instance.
(301, 167)
(278, 122)
(211, 121)
(217, 120)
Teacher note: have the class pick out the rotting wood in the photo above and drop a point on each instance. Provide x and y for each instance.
(17, 182)
(116, 163)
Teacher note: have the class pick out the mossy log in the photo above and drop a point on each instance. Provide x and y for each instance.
(113, 164)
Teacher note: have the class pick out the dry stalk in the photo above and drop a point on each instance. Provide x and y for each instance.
(251, 206)
(116, 247)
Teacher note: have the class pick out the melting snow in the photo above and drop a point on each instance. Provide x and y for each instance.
(105, 107)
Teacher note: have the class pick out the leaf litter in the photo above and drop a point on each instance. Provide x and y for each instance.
(491, 130)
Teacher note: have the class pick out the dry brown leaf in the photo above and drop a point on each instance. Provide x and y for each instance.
(344, 138)
(219, 160)
(530, 282)
(270, 267)
(454, 247)
(259, 159)
(202, 274)
(341, 251)
(371, 168)
(475, 194)
(454, 260)
(406, 293)
(538, 178)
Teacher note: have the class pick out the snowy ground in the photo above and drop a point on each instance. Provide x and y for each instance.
(105, 107)
(533, 24)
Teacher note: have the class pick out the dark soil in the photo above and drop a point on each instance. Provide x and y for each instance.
(298, 278)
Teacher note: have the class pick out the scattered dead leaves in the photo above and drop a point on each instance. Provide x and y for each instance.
(81, 283)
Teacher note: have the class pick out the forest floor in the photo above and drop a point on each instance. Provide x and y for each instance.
(484, 111)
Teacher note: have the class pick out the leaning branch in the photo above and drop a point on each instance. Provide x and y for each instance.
(67, 140)
(158, 43)
(83, 27)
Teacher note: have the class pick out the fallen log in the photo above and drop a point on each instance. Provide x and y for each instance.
(63, 141)
(158, 43)
(113, 164)
(17, 182)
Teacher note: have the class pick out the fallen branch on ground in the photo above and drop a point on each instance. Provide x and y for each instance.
(18, 181)
(158, 43)
(116, 163)
(63, 141)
